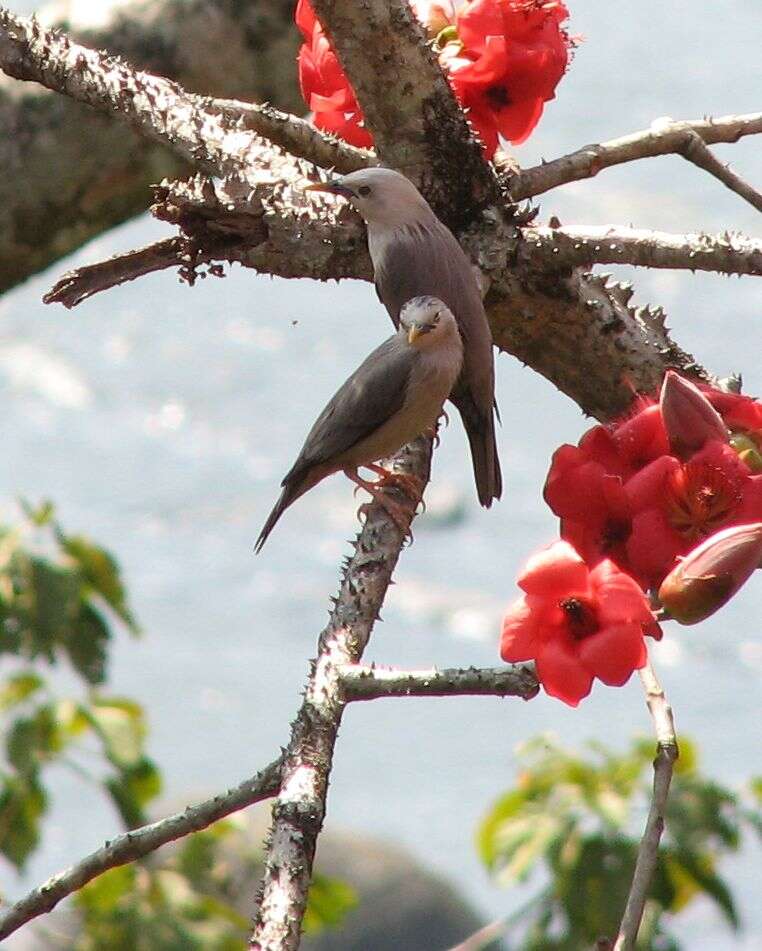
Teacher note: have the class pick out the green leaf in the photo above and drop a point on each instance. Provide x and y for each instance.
(103, 893)
(487, 836)
(132, 789)
(101, 572)
(39, 515)
(22, 804)
(34, 739)
(18, 688)
(56, 592)
(328, 903)
(122, 728)
(86, 644)
(700, 868)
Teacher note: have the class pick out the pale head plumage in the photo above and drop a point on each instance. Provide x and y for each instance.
(382, 196)
(427, 323)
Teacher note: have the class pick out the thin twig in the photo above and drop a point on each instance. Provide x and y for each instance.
(299, 810)
(583, 246)
(696, 151)
(648, 852)
(132, 845)
(664, 137)
(484, 937)
(370, 683)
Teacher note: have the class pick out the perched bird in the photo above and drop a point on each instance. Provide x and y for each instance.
(393, 396)
(413, 253)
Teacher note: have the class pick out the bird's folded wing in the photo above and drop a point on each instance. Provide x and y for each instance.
(371, 396)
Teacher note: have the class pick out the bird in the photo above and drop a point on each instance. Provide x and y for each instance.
(414, 253)
(395, 395)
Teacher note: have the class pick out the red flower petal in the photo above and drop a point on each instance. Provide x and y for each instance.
(519, 639)
(642, 437)
(618, 596)
(561, 673)
(554, 572)
(653, 547)
(613, 653)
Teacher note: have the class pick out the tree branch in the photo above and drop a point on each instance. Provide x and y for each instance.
(664, 137)
(575, 246)
(299, 810)
(130, 846)
(82, 282)
(666, 754)
(72, 173)
(158, 108)
(295, 135)
(370, 683)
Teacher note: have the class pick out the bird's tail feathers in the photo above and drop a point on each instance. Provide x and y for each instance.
(486, 462)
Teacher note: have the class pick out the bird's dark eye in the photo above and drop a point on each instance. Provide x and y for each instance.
(364, 190)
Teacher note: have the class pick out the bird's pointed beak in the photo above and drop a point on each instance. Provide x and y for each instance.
(332, 188)
(413, 333)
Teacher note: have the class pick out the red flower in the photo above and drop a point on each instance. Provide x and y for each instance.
(504, 59)
(513, 55)
(577, 623)
(324, 84)
(675, 506)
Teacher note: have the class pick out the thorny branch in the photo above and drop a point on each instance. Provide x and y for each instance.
(575, 246)
(665, 137)
(132, 845)
(577, 329)
(357, 683)
(370, 683)
(666, 754)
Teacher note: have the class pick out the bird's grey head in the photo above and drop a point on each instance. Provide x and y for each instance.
(428, 322)
(382, 196)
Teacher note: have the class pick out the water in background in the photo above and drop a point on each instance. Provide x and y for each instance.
(161, 419)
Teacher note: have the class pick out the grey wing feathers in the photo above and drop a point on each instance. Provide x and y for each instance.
(371, 395)
(426, 261)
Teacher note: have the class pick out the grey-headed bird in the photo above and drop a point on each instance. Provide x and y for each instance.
(414, 254)
(395, 395)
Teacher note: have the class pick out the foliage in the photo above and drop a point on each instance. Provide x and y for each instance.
(573, 823)
(59, 597)
(195, 900)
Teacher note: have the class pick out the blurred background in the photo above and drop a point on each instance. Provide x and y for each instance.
(160, 419)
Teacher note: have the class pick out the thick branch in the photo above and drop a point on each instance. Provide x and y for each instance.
(575, 246)
(370, 683)
(648, 853)
(299, 810)
(664, 137)
(417, 125)
(133, 845)
(71, 173)
(158, 108)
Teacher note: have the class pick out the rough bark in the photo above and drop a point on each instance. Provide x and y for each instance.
(70, 174)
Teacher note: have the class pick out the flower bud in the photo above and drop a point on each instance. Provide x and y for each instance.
(709, 576)
(689, 417)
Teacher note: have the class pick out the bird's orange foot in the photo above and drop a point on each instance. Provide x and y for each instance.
(399, 514)
(409, 485)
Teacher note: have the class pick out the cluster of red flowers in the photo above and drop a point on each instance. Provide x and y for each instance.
(668, 500)
(504, 59)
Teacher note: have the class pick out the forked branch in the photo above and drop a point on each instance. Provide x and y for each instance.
(665, 137)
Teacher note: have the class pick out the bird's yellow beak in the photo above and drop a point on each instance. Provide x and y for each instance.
(413, 333)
